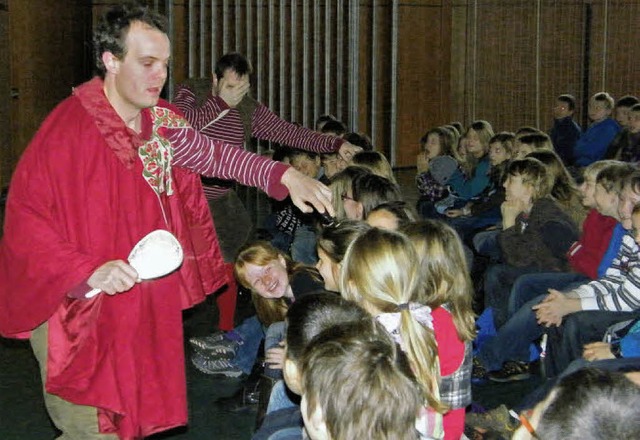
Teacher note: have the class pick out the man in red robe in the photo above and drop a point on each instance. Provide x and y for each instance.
(109, 165)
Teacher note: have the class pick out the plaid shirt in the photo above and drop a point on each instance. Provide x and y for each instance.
(429, 188)
(455, 389)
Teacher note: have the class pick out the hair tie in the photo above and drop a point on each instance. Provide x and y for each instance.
(403, 306)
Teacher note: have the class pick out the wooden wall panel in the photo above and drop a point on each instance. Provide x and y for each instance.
(423, 74)
(561, 53)
(615, 61)
(49, 56)
(6, 153)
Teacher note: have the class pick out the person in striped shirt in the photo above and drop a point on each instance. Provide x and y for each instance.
(222, 109)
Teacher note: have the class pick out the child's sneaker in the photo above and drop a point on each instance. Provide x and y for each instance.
(511, 371)
(214, 344)
(478, 373)
(215, 366)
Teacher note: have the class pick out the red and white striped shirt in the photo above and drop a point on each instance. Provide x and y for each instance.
(213, 158)
(218, 121)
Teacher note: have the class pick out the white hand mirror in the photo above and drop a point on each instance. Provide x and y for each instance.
(157, 254)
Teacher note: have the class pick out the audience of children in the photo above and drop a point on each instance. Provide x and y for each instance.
(412, 279)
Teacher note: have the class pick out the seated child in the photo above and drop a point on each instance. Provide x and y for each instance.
(374, 162)
(391, 215)
(381, 272)
(448, 291)
(484, 211)
(589, 403)
(592, 144)
(354, 388)
(275, 281)
(366, 192)
(535, 237)
(532, 142)
(565, 131)
(627, 143)
(435, 143)
(563, 187)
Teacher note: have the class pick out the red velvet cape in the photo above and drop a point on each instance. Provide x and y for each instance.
(77, 200)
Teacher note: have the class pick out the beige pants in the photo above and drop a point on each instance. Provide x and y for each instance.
(77, 422)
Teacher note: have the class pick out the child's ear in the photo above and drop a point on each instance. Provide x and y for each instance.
(360, 210)
(292, 376)
(315, 425)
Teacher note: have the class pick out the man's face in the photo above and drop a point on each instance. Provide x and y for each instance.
(231, 80)
(561, 110)
(140, 75)
(628, 199)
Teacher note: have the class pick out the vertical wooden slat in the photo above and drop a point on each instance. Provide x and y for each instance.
(192, 38)
(327, 57)
(394, 83)
(202, 31)
(282, 69)
(339, 56)
(374, 73)
(305, 62)
(214, 32)
(225, 20)
(294, 61)
(316, 62)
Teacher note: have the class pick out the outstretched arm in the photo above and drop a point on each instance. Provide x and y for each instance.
(211, 158)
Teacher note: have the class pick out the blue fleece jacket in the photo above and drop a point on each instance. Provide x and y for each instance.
(593, 143)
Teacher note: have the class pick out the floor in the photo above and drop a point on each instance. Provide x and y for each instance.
(23, 416)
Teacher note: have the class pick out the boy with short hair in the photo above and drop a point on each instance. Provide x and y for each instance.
(626, 145)
(622, 109)
(593, 143)
(353, 387)
(565, 131)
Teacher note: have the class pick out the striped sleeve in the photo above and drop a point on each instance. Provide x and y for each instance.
(266, 125)
(619, 289)
(199, 117)
(211, 158)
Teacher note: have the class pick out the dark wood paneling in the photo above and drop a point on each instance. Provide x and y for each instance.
(6, 154)
(423, 74)
(49, 55)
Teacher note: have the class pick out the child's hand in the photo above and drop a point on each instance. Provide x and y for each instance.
(597, 351)
(274, 357)
(422, 162)
(453, 213)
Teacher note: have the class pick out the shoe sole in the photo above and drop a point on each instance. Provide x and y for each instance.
(218, 352)
(217, 373)
(513, 378)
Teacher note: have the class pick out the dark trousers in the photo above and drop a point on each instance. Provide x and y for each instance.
(565, 343)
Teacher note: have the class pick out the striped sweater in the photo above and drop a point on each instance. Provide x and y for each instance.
(216, 120)
(214, 158)
(619, 289)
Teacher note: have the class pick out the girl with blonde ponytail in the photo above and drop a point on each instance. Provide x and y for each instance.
(380, 271)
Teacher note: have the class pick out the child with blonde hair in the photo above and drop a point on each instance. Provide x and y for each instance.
(380, 271)
(447, 289)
